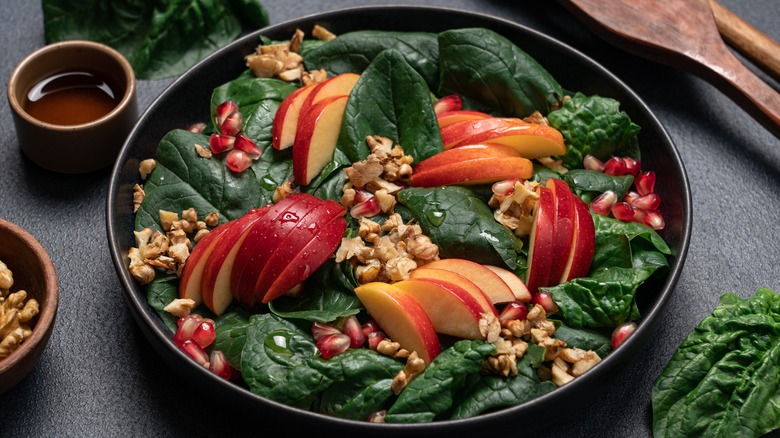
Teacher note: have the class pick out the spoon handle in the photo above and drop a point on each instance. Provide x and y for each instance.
(749, 41)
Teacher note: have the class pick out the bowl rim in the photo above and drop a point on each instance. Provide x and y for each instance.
(155, 330)
(48, 313)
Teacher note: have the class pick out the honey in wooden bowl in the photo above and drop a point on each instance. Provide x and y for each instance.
(72, 97)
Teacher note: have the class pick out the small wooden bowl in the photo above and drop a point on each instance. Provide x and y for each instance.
(34, 272)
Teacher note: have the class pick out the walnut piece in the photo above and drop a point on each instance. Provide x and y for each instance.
(16, 313)
(515, 209)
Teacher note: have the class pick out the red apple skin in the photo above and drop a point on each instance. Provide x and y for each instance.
(447, 118)
(215, 283)
(401, 317)
(454, 134)
(464, 153)
(540, 246)
(262, 241)
(475, 171)
(315, 141)
(457, 279)
(191, 275)
(565, 218)
(302, 238)
(452, 310)
(285, 122)
(515, 283)
(530, 139)
(311, 257)
(491, 284)
(339, 85)
(584, 244)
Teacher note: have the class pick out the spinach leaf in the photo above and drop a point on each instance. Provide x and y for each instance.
(354, 51)
(588, 184)
(183, 179)
(483, 66)
(392, 100)
(159, 293)
(231, 334)
(461, 225)
(600, 341)
(592, 125)
(160, 38)
(493, 392)
(431, 394)
(724, 379)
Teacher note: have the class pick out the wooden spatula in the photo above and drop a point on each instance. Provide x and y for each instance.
(682, 34)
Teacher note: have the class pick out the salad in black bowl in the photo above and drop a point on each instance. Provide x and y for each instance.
(399, 222)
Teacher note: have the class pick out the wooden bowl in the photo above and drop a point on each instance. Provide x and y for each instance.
(34, 272)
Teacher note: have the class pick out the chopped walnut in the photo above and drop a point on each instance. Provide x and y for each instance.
(414, 367)
(515, 210)
(283, 191)
(314, 76)
(537, 118)
(138, 197)
(16, 313)
(322, 34)
(6, 277)
(202, 152)
(489, 327)
(550, 163)
(393, 349)
(167, 218)
(283, 61)
(146, 167)
(180, 307)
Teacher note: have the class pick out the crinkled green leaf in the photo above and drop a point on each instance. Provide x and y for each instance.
(231, 334)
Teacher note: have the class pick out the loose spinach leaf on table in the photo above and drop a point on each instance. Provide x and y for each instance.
(183, 180)
(354, 51)
(724, 379)
(462, 225)
(594, 125)
(392, 100)
(485, 67)
(160, 38)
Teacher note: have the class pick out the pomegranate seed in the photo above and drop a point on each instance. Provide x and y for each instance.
(186, 327)
(630, 196)
(246, 145)
(650, 201)
(621, 333)
(204, 333)
(225, 109)
(219, 365)
(603, 203)
(196, 127)
(514, 310)
(377, 417)
(545, 300)
(351, 327)
(232, 124)
(631, 165)
(451, 102)
(639, 215)
(654, 220)
(623, 211)
(194, 351)
(319, 330)
(369, 326)
(368, 208)
(221, 143)
(505, 187)
(362, 195)
(645, 182)
(332, 345)
(615, 166)
(238, 161)
(374, 338)
(592, 163)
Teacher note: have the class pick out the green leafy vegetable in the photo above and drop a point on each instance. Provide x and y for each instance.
(392, 100)
(592, 125)
(231, 334)
(159, 293)
(462, 225)
(484, 67)
(588, 184)
(724, 379)
(160, 38)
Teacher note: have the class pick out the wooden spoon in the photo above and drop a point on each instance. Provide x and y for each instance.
(682, 34)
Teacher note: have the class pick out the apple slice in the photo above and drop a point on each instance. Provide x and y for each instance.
(339, 85)
(464, 153)
(401, 317)
(515, 283)
(285, 123)
(315, 142)
(436, 274)
(305, 237)
(447, 118)
(192, 273)
(490, 283)
(215, 282)
(262, 241)
(530, 139)
(474, 171)
(584, 243)
(308, 259)
(452, 309)
(564, 227)
(541, 240)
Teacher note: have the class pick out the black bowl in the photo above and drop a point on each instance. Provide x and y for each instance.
(186, 101)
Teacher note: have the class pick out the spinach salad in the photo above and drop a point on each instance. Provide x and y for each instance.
(270, 346)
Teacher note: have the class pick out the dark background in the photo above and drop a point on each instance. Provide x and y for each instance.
(99, 376)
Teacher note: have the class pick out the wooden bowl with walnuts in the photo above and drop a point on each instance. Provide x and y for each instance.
(28, 303)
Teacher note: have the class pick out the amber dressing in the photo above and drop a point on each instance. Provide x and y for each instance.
(71, 98)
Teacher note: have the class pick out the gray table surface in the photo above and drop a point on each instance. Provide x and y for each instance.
(99, 376)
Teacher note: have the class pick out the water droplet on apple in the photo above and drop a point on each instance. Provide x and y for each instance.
(436, 216)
